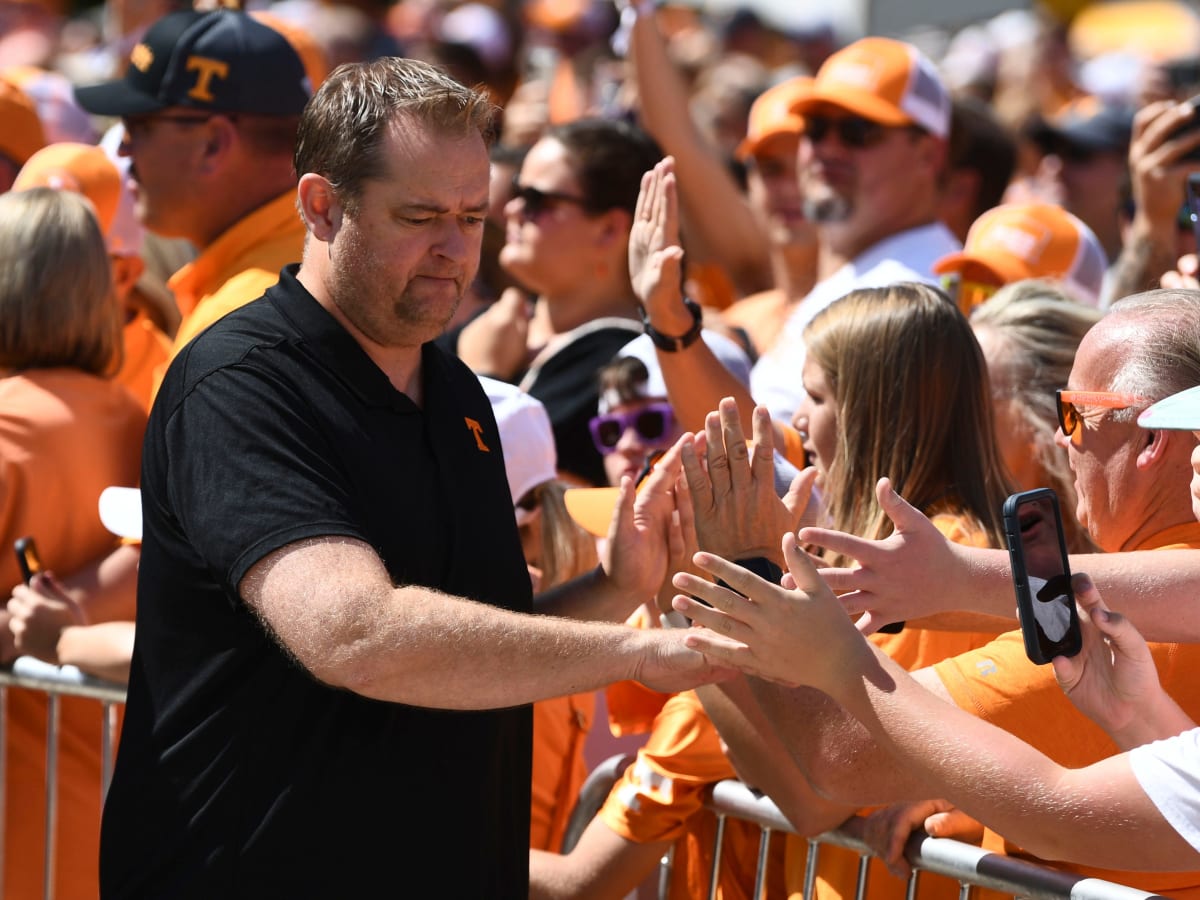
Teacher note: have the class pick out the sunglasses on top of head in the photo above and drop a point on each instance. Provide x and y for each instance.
(653, 424)
(536, 201)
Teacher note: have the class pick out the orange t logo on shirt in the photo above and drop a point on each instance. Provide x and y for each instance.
(477, 430)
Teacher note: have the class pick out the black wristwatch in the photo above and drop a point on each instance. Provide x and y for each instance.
(674, 344)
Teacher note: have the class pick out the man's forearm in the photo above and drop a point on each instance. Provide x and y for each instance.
(1146, 255)
(590, 597)
(762, 760)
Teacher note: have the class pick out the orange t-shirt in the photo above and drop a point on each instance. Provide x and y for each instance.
(912, 648)
(660, 797)
(998, 683)
(560, 729)
(64, 437)
(147, 350)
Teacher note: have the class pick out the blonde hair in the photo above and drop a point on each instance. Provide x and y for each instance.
(912, 398)
(57, 307)
(1040, 328)
(567, 549)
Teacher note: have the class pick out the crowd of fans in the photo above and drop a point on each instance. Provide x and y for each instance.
(880, 258)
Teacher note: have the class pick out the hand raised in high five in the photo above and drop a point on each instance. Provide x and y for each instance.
(655, 254)
(737, 512)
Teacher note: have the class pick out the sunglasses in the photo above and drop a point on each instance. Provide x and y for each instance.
(853, 131)
(653, 424)
(1069, 415)
(967, 294)
(537, 201)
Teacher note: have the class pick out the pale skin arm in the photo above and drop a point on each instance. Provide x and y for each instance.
(602, 866)
(331, 604)
(695, 378)
(1097, 815)
(916, 572)
(48, 624)
(716, 207)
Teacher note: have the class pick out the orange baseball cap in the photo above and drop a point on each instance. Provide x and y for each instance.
(883, 80)
(771, 115)
(81, 168)
(21, 133)
(1016, 241)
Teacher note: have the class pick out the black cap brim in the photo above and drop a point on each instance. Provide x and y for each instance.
(116, 98)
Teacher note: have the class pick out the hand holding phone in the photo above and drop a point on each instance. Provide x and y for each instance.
(1041, 576)
(27, 558)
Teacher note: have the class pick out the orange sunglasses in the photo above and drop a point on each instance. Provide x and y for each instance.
(1068, 412)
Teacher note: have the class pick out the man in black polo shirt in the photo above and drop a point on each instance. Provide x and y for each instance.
(333, 632)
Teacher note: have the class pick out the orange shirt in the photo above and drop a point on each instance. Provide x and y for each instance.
(998, 683)
(913, 648)
(660, 797)
(64, 437)
(147, 350)
(560, 729)
(237, 267)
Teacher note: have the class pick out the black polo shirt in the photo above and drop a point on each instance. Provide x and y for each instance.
(239, 774)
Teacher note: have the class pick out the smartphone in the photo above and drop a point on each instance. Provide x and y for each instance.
(1193, 204)
(1190, 125)
(1041, 575)
(27, 557)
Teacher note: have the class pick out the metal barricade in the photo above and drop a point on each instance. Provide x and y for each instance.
(56, 682)
(971, 866)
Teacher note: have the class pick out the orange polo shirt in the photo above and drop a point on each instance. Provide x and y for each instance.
(64, 437)
(237, 267)
(998, 683)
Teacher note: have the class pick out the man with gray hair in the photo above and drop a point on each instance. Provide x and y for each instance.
(334, 648)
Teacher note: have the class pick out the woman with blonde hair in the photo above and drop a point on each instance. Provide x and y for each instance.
(897, 386)
(67, 431)
(1029, 332)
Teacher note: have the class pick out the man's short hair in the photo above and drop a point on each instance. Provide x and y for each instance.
(1167, 358)
(980, 143)
(344, 126)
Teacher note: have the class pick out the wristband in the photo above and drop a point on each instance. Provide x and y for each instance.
(760, 566)
(674, 344)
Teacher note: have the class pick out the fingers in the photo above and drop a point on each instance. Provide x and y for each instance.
(622, 520)
(762, 461)
(799, 493)
(904, 515)
(800, 567)
(715, 456)
(698, 484)
(736, 450)
(1123, 637)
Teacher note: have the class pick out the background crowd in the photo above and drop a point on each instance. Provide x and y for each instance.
(890, 252)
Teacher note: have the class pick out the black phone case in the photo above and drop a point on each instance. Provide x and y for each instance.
(1039, 652)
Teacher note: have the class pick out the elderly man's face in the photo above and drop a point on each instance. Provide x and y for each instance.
(1103, 450)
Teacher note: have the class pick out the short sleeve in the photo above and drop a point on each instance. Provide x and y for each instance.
(1169, 773)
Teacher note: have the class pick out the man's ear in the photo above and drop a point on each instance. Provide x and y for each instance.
(319, 206)
(1155, 447)
(221, 139)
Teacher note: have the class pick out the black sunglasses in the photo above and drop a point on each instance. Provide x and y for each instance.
(853, 131)
(536, 201)
(653, 424)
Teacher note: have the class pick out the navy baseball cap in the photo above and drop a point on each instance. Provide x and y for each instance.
(1089, 124)
(222, 61)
